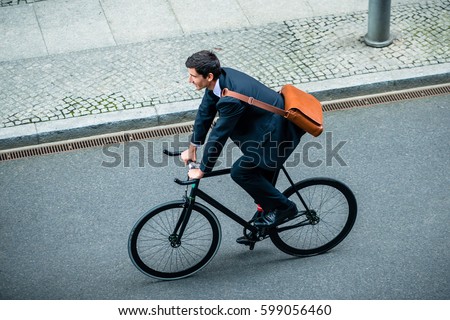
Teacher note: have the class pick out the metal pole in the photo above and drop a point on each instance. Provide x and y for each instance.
(378, 27)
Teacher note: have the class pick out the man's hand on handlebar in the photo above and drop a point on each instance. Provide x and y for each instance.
(195, 174)
(188, 156)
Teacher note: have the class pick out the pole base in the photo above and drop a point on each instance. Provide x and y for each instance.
(378, 44)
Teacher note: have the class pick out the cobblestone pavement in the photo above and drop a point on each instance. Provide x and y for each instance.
(147, 74)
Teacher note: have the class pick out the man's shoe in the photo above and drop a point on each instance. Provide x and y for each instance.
(275, 217)
(245, 240)
(258, 214)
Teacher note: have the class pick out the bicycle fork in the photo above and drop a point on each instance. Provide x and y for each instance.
(175, 237)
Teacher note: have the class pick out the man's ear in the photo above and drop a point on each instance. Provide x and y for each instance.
(210, 77)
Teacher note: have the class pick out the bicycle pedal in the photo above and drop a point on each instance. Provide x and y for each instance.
(245, 241)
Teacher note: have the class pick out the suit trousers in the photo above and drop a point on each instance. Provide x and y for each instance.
(259, 183)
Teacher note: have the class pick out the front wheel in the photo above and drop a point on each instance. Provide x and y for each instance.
(156, 249)
(332, 213)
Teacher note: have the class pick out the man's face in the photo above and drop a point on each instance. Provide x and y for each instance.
(198, 80)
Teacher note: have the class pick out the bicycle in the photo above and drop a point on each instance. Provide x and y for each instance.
(179, 238)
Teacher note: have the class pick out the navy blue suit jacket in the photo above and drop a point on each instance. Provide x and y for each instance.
(265, 138)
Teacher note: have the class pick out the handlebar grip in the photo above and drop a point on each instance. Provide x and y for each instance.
(172, 153)
(192, 164)
(185, 183)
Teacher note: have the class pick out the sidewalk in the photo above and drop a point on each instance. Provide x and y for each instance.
(84, 67)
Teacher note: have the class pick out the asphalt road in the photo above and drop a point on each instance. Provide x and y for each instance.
(65, 218)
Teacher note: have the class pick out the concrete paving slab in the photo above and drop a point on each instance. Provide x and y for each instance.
(140, 20)
(208, 15)
(261, 12)
(20, 35)
(73, 25)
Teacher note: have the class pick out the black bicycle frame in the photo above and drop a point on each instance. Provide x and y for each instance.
(196, 192)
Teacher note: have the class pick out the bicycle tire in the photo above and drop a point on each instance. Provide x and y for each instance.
(151, 251)
(335, 206)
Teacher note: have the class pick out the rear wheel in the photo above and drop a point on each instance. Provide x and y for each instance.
(332, 214)
(158, 252)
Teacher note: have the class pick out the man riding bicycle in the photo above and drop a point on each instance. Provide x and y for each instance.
(265, 139)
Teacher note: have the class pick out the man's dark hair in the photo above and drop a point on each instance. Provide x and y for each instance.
(204, 62)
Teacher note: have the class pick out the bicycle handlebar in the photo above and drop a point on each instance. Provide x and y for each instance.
(185, 182)
(194, 165)
(172, 153)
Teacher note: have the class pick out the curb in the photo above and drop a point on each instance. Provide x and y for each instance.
(184, 111)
